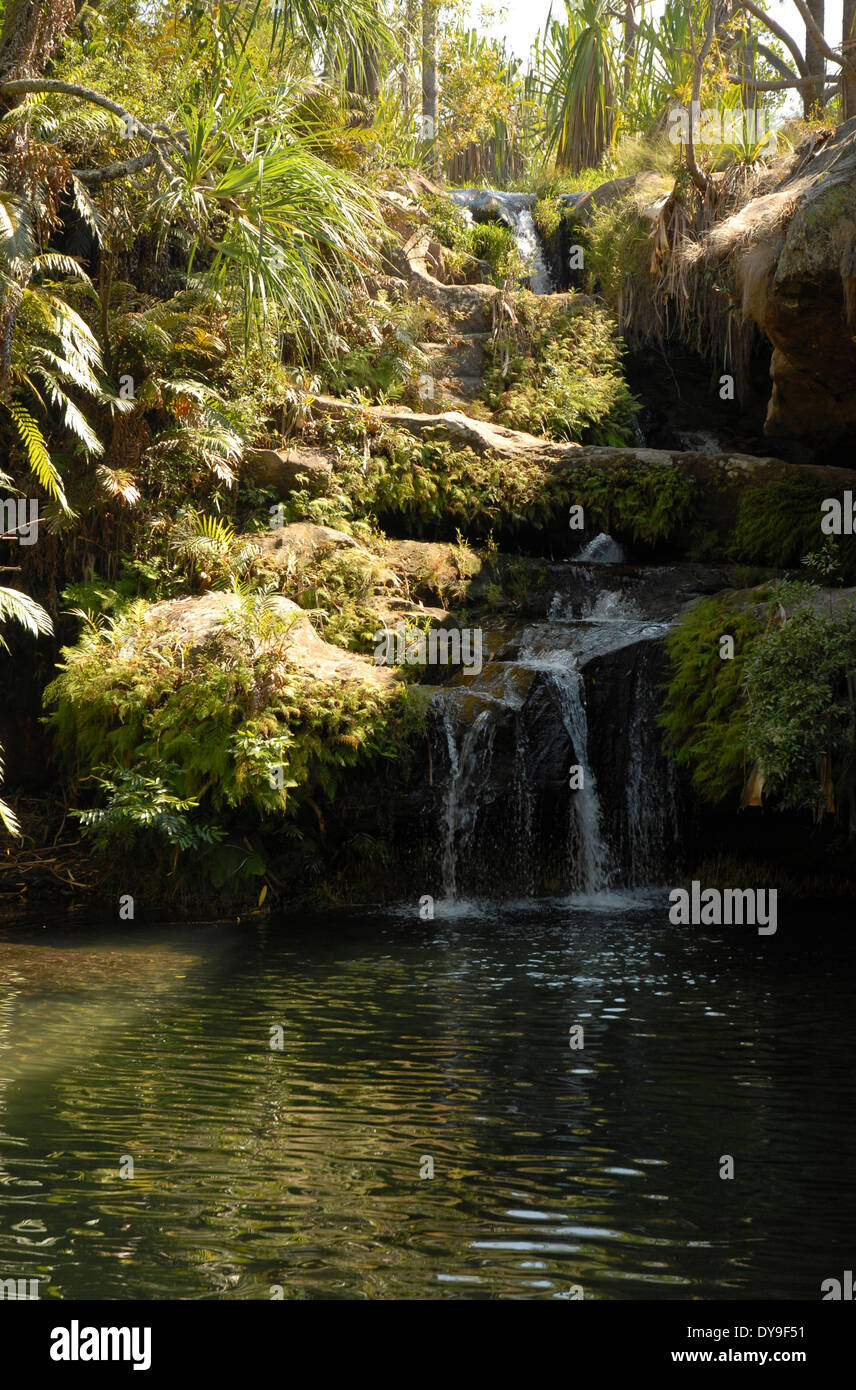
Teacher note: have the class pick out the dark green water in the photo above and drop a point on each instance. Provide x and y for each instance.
(405, 1039)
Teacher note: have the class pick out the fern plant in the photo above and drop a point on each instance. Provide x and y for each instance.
(165, 353)
(137, 803)
(53, 350)
(209, 551)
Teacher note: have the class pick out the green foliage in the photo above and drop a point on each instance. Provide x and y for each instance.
(547, 215)
(779, 523)
(98, 598)
(703, 714)
(33, 618)
(560, 375)
(209, 553)
(800, 705)
(435, 486)
(487, 241)
(785, 705)
(143, 805)
(53, 353)
(438, 488)
(494, 242)
(578, 70)
(647, 502)
(485, 115)
(285, 232)
(618, 249)
(230, 725)
(374, 351)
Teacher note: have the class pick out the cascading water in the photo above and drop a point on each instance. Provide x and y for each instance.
(586, 844)
(550, 771)
(469, 763)
(601, 550)
(515, 210)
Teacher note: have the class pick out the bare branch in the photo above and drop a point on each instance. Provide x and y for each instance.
(72, 89)
(782, 86)
(697, 175)
(774, 60)
(781, 34)
(817, 34)
(116, 171)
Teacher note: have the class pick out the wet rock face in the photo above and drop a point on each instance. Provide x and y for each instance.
(499, 814)
(638, 786)
(548, 774)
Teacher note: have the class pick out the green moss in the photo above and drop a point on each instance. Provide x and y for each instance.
(704, 710)
(647, 502)
(778, 523)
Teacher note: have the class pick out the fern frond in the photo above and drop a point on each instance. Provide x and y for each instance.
(26, 611)
(36, 451)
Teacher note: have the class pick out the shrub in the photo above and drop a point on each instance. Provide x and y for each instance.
(560, 375)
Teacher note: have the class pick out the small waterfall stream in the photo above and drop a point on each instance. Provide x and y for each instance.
(515, 210)
(541, 791)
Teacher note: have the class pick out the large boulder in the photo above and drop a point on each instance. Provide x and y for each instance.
(194, 624)
(285, 470)
(793, 258)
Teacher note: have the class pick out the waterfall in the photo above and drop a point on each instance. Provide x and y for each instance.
(515, 210)
(574, 688)
(467, 764)
(588, 852)
(602, 550)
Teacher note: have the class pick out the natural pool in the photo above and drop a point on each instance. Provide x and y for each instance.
(404, 1041)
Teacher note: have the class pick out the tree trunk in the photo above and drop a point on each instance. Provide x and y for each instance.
(406, 56)
(31, 31)
(430, 99)
(629, 42)
(815, 62)
(848, 48)
(746, 70)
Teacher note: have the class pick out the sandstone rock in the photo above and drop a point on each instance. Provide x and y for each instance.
(194, 623)
(303, 536)
(285, 470)
(793, 252)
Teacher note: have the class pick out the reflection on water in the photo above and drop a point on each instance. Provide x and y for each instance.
(403, 1040)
